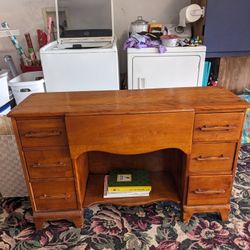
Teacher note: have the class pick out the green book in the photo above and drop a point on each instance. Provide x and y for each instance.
(129, 180)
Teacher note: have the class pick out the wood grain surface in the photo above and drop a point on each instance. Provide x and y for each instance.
(130, 134)
(198, 99)
(234, 73)
(51, 162)
(218, 127)
(212, 158)
(163, 188)
(179, 135)
(209, 190)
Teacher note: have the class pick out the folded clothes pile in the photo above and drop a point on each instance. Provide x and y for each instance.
(143, 41)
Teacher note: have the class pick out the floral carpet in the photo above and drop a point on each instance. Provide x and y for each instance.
(156, 226)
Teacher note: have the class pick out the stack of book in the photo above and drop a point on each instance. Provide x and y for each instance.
(127, 183)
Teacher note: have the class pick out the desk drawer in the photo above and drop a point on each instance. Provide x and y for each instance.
(42, 132)
(48, 163)
(54, 195)
(218, 127)
(209, 190)
(130, 134)
(212, 157)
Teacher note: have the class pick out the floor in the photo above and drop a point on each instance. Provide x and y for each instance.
(156, 226)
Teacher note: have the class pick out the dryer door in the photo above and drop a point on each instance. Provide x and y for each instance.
(167, 71)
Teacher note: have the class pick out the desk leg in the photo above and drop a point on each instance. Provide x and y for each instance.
(75, 216)
(225, 213)
(188, 211)
(186, 215)
(39, 223)
(78, 222)
(81, 172)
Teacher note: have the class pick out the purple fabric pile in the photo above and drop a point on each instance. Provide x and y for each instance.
(143, 41)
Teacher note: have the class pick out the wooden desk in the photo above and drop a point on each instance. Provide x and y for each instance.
(188, 138)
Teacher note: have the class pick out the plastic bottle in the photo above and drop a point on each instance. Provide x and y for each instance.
(9, 61)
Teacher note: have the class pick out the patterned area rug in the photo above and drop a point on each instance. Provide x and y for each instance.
(156, 226)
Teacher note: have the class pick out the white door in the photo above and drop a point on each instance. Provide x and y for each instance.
(166, 71)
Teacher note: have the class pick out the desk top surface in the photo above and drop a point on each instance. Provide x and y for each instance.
(198, 99)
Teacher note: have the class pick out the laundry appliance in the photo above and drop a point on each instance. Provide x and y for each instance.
(84, 57)
(177, 67)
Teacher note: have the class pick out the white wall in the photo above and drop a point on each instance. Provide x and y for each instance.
(27, 16)
(163, 11)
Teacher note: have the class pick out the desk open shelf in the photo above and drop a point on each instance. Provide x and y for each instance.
(163, 189)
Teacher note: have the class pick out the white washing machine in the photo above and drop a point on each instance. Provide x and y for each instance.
(80, 69)
(177, 67)
(84, 57)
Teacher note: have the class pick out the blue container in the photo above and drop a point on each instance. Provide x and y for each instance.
(246, 131)
(5, 109)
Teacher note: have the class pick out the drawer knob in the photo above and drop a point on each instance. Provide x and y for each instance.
(212, 158)
(51, 197)
(206, 191)
(206, 128)
(49, 165)
(42, 134)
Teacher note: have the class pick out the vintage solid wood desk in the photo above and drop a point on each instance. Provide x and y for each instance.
(188, 138)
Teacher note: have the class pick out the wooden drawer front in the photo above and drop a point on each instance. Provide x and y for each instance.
(209, 190)
(218, 127)
(212, 157)
(44, 132)
(48, 163)
(130, 134)
(54, 195)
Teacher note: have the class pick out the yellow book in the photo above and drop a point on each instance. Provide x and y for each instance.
(129, 189)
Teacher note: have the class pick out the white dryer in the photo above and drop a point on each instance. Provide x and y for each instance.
(84, 57)
(178, 67)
